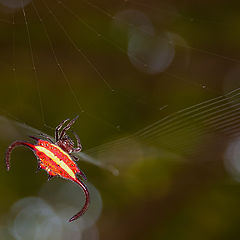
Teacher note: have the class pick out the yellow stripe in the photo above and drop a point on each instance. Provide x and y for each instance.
(62, 164)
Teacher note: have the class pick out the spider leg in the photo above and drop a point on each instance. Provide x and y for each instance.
(67, 127)
(50, 177)
(75, 158)
(79, 145)
(11, 147)
(35, 138)
(38, 168)
(58, 128)
(83, 175)
(43, 135)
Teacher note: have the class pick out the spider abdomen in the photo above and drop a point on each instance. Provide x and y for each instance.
(56, 161)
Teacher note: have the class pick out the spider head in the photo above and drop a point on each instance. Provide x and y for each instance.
(66, 144)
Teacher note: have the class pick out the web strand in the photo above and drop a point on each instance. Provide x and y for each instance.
(56, 58)
(59, 65)
(122, 50)
(77, 48)
(106, 13)
(220, 114)
(190, 47)
(33, 64)
(14, 56)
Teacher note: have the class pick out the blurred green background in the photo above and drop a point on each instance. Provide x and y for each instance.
(122, 66)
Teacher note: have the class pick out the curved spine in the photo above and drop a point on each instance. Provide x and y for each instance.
(85, 207)
(11, 147)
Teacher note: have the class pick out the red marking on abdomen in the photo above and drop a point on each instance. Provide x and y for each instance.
(50, 166)
(63, 157)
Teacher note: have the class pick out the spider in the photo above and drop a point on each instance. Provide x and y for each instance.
(56, 158)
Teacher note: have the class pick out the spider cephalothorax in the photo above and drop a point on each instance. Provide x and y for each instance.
(66, 144)
(56, 158)
(64, 141)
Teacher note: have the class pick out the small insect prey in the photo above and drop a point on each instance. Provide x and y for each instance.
(56, 158)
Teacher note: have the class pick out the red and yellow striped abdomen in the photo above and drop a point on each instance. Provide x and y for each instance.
(55, 161)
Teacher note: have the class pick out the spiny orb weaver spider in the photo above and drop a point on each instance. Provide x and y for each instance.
(56, 158)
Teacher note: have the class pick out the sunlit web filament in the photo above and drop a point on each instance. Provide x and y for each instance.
(33, 63)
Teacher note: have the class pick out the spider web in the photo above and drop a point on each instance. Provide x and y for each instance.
(41, 14)
(41, 17)
(143, 74)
